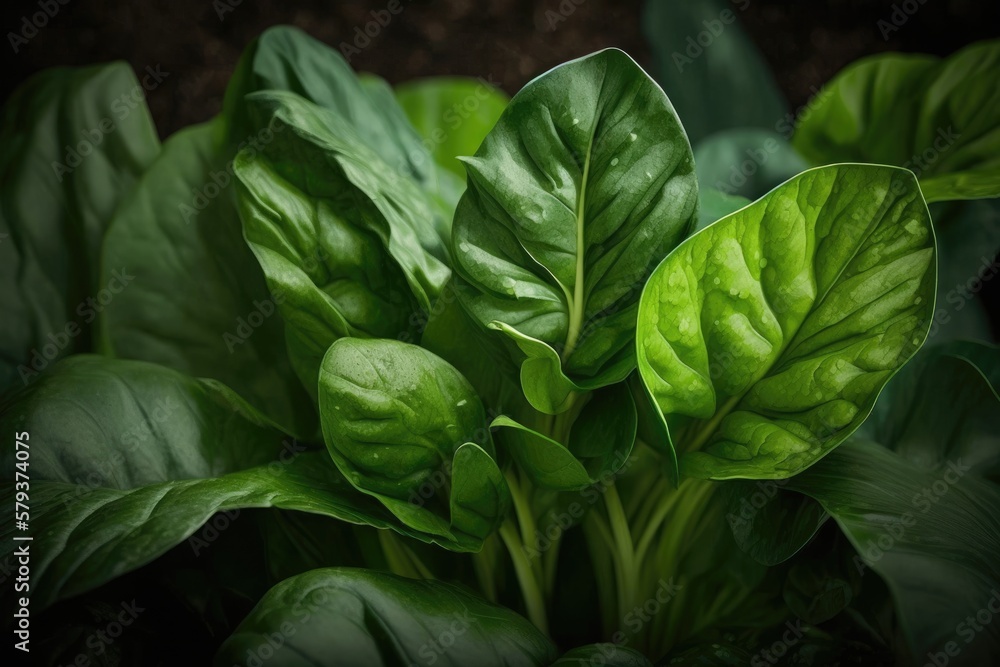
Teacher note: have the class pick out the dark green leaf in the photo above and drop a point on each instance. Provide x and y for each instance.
(361, 618)
(73, 142)
(594, 150)
(711, 70)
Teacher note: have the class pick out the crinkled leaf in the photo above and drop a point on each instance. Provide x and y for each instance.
(337, 235)
(766, 337)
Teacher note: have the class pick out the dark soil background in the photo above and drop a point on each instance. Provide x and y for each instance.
(199, 41)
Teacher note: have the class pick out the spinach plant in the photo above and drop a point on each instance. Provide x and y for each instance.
(540, 393)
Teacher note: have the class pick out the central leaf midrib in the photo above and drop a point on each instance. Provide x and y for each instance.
(576, 301)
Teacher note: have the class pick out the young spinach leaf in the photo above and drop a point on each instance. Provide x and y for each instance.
(583, 185)
(766, 337)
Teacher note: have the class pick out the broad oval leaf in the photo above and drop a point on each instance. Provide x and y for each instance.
(406, 427)
(362, 618)
(198, 302)
(766, 337)
(939, 118)
(583, 185)
(129, 459)
(73, 143)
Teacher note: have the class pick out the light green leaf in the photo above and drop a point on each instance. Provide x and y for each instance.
(73, 142)
(939, 118)
(406, 428)
(452, 114)
(766, 337)
(708, 66)
(361, 618)
(593, 149)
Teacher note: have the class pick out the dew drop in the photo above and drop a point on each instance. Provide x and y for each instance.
(763, 262)
(631, 136)
(733, 291)
(461, 403)
(916, 302)
(614, 162)
(576, 121)
(716, 280)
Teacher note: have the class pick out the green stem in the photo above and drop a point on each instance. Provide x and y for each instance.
(398, 561)
(533, 601)
(483, 563)
(624, 548)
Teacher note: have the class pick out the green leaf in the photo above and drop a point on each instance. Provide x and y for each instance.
(199, 303)
(600, 442)
(920, 511)
(129, 459)
(285, 58)
(452, 114)
(406, 428)
(766, 337)
(609, 655)
(73, 142)
(593, 149)
(451, 334)
(746, 162)
(769, 523)
(939, 118)
(935, 555)
(336, 234)
(968, 236)
(349, 617)
(714, 205)
(724, 84)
